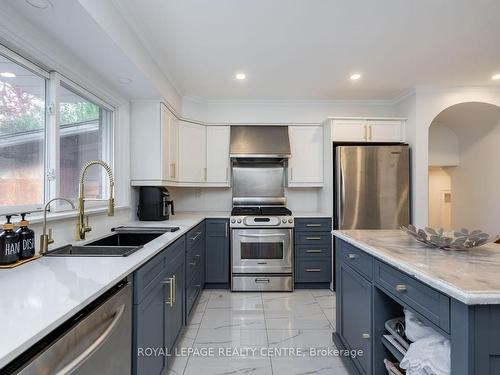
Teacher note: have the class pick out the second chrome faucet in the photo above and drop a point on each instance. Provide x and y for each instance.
(82, 226)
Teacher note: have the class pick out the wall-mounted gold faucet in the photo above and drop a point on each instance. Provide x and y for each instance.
(82, 226)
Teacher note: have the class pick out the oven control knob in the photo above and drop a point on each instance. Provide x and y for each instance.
(239, 221)
(284, 221)
(233, 221)
(290, 220)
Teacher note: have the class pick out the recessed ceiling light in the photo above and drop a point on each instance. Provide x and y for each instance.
(355, 76)
(496, 77)
(240, 76)
(124, 80)
(8, 75)
(40, 4)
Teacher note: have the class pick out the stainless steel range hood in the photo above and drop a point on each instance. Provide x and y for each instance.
(259, 142)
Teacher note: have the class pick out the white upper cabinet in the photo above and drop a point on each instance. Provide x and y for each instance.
(153, 139)
(367, 130)
(218, 170)
(192, 153)
(305, 167)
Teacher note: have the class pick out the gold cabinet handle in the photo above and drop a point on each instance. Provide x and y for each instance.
(291, 174)
(173, 288)
(313, 238)
(313, 225)
(313, 269)
(227, 174)
(206, 173)
(170, 281)
(351, 256)
(370, 132)
(365, 336)
(401, 287)
(314, 251)
(366, 132)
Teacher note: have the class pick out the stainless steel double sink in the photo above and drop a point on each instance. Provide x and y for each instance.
(121, 243)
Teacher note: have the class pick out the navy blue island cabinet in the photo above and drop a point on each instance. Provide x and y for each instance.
(370, 292)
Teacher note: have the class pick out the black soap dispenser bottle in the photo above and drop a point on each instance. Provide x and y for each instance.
(26, 239)
(9, 243)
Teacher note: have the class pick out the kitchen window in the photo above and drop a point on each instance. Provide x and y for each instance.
(85, 130)
(42, 146)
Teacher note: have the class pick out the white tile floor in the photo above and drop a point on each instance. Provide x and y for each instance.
(303, 319)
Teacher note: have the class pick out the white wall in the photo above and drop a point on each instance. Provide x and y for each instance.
(421, 108)
(439, 210)
(443, 146)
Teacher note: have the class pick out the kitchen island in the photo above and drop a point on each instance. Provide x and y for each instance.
(381, 272)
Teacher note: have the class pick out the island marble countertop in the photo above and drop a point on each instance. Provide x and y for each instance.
(472, 277)
(41, 295)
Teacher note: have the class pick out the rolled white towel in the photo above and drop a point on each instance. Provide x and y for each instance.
(428, 356)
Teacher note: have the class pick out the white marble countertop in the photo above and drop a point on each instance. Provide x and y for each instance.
(471, 277)
(40, 295)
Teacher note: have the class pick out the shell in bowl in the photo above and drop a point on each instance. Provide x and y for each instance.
(463, 239)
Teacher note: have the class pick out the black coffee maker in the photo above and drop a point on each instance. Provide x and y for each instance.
(154, 204)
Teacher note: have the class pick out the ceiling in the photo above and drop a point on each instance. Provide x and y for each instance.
(307, 49)
(70, 27)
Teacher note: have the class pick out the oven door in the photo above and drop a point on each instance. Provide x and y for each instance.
(262, 251)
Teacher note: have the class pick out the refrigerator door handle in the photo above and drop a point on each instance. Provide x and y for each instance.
(340, 189)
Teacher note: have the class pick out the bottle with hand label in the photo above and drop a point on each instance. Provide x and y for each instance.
(9, 244)
(26, 239)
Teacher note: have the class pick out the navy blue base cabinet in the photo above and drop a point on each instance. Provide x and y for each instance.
(158, 307)
(313, 253)
(217, 254)
(195, 266)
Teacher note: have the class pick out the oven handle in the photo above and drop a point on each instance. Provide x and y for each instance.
(264, 235)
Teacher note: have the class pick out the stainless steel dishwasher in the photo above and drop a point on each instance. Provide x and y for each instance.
(96, 341)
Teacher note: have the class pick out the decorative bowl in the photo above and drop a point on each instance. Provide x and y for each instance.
(463, 239)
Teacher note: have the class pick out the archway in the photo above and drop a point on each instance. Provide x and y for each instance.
(464, 152)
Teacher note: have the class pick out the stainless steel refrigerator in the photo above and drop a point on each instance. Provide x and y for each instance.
(371, 186)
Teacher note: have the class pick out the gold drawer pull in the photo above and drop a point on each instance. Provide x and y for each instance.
(351, 256)
(313, 269)
(401, 287)
(171, 299)
(366, 336)
(313, 225)
(313, 238)
(314, 251)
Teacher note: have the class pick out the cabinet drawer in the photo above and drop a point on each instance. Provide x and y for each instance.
(313, 225)
(312, 252)
(195, 235)
(146, 276)
(192, 291)
(356, 258)
(313, 238)
(313, 271)
(194, 261)
(428, 302)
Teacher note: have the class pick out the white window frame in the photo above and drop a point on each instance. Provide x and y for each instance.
(53, 82)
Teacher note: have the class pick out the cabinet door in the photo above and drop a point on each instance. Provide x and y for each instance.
(192, 152)
(169, 144)
(174, 304)
(148, 332)
(305, 167)
(356, 315)
(218, 154)
(217, 252)
(385, 131)
(349, 131)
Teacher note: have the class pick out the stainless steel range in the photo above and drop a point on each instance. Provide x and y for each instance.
(261, 225)
(262, 249)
